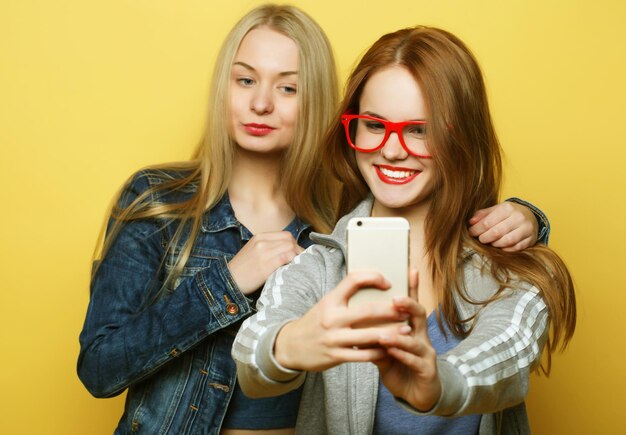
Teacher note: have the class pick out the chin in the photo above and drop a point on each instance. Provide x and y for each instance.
(394, 200)
(401, 200)
(262, 148)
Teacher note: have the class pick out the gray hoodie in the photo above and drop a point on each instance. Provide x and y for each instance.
(487, 373)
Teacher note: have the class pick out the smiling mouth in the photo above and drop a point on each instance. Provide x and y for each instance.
(395, 175)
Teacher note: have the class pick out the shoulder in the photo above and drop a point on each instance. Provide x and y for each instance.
(477, 279)
(482, 289)
(324, 257)
(477, 270)
(160, 185)
(337, 238)
(313, 263)
(308, 277)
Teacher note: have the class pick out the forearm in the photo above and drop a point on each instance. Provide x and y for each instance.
(122, 343)
(258, 371)
(287, 295)
(490, 369)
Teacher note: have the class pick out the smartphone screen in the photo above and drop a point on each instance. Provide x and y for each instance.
(380, 244)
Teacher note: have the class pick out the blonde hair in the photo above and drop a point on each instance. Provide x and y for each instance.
(466, 155)
(208, 174)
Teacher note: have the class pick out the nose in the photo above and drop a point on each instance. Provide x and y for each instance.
(393, 149)
(262, 101)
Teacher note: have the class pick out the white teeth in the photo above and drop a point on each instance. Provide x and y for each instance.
(396, 174)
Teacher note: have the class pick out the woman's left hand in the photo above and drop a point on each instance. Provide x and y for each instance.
(509, 225)
(410, 369)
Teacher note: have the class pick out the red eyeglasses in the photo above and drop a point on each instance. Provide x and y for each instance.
(368, 134)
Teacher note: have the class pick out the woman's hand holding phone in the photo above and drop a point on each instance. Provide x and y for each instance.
(326, 335)
(347, 323)
(409, 369)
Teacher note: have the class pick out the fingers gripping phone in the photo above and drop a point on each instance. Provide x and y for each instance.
(380, 244)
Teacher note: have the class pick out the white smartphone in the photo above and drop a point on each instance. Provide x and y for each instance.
(380, 244)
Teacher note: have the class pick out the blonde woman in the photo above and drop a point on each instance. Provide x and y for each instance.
(189, 244)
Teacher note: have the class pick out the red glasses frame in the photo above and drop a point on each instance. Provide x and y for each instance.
(390, 127)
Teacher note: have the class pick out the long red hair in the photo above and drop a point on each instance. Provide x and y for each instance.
(468, 172)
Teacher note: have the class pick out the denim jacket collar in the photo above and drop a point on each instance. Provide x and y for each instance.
(222, 216)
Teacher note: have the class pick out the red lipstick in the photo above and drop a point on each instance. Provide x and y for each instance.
(395, 180)
(258, 129)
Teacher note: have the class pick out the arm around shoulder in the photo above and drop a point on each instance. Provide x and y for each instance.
(543, 231)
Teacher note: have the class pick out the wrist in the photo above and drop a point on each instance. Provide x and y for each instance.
(266, 361)
(242, 284)
(282, 347)
(428, 403)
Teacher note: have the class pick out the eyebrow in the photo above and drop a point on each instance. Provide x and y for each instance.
(373, 114)
(251, 68)
(376, 115)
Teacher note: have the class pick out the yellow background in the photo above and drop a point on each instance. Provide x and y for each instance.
(91, 91)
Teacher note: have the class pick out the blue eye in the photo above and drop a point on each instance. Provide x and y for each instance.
(245, 81)
(287, 89)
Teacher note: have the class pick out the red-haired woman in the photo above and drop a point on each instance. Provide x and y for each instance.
(416, 140)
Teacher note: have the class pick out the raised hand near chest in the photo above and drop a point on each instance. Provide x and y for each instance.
(260, 257)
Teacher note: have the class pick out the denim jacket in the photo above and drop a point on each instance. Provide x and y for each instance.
(172, 353)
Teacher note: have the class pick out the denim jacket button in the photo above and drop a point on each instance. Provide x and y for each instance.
(232, 309)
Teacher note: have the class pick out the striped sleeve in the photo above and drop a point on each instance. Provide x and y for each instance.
(490, 369)
(288, 294)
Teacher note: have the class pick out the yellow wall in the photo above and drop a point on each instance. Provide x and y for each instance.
(91, 91)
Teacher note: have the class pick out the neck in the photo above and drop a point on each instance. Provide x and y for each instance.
(255, 192)
(415, 214)
(255, 175)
